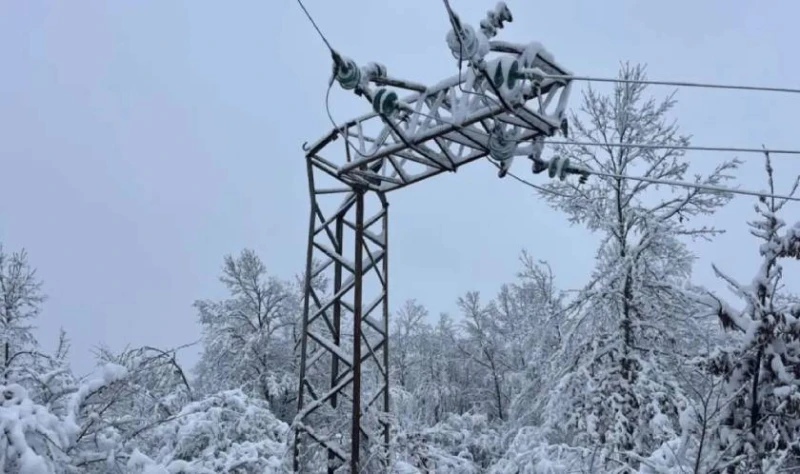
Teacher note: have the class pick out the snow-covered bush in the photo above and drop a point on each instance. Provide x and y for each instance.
(32, 440)
(531, 453)
(459, 444)
(228, 432)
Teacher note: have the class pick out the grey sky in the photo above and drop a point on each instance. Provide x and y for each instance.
(142, 141)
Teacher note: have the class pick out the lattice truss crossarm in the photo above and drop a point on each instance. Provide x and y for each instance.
(443, 127)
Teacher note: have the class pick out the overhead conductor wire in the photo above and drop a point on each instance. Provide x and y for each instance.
(314, 24)
(330, 83)
(455, 25)
(453, 22)
(720, 189)
(675, 83)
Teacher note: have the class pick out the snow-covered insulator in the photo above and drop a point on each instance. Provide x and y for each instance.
(346, 72)
(385, 102)
(539, 165)
(505, 73)
(374, 70)
(488, 28)
(501, 146)
(558, 167)
(468, 48)
(495, 18)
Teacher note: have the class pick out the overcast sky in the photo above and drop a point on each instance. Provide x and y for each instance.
(142, 141)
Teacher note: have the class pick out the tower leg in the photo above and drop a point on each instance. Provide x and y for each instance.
(355, 431)
(343, 394)
(386, 408)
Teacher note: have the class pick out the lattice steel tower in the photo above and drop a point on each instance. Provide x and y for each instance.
(503, 104)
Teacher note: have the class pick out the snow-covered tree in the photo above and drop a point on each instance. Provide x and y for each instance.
(248, 338)
(485, 351)
(21, 298)
(616, 387)
(406, 334)
(440, 381)
(759, 427)
(529, 315)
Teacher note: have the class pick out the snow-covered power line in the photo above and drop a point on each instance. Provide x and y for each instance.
(682, 184)
(667, 182)
(720, 189)
(672, 147)
(674, 83)
(528, 150)
(314, 24)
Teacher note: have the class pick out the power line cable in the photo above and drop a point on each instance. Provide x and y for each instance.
(528, 183)
(330, 84)
(675, 147)
(314, 24)
(706, 187)
(337, 58)
(720, 189)
(674, 83)
(649, 146)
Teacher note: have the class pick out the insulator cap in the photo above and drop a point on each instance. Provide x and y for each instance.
(495, 18)
(506, 73)
(469, 46)
(558, 167)
(539, 165)
(347, 73)
(385, 101)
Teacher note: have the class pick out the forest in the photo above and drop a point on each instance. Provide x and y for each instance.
(641, 370)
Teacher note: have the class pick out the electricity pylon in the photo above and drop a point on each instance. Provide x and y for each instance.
(503, 104)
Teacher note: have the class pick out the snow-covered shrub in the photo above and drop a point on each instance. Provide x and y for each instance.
(459, 444)
(531, 453)
(32, 439)
(228, 432)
